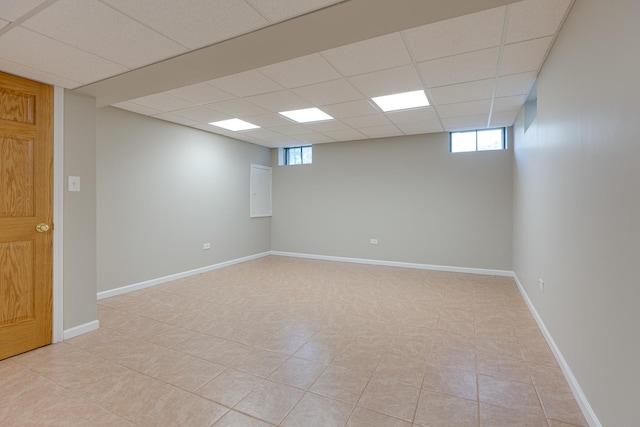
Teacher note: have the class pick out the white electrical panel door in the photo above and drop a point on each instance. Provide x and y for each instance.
(260, 197)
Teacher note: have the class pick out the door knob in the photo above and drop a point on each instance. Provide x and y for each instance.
(42, 228)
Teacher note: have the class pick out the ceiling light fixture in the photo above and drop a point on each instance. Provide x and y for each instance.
(402, 101)
(234, 125)
(306, 115)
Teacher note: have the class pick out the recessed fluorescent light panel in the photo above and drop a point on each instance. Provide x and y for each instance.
(402, 101)
(306, 115)
(234, 125)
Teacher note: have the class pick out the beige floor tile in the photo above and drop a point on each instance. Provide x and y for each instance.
(230, 387)
(495, 416)
(191, 373)
(364, 418)
(503, 367)
(435, 409)
(342, 384)
(560, 405)
(260, 362)
(400, 369)
(236, 419)
(317, 411)
(192, 411)
(298, 373)
(270, 401)
(390, 398)
(450, 381)
(508, 394)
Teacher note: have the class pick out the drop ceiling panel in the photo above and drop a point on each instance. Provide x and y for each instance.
(524, 56)
(247, 83)
(303, 71)
(333, 92)
(14, 9)
(506, 118)
(37, 75)
(367, 56)
(279, 101)
(532, 19)
(162, 102)
(367, 121)
(237, 108)
(515, 84)
(466, 122)
(345, 135)
(463, 92)
(269, 120)
(508, 103)
(313, 138)
(3, 23)
(137, 108)
(89, 25)
(463, 34)
(170, 117)
(201, 114)
(414, 115)
(201, 93)
(278, 10)
(196, 24)
(381, 131)
(291, 130)
(386, 82)
(350, 109)
(326, 126)
(33, 50)
(413, 128)
(464, 109)
(460, 68)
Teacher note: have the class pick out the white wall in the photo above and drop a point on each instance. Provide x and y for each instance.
(163, 191)
(577, 203)
(423, 204)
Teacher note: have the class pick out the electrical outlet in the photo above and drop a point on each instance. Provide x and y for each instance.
(541, 283)
(373, 241)
(206, 246)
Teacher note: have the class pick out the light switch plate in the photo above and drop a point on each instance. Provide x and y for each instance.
(74, 183)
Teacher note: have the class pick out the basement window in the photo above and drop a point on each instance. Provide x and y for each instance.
(297, 155)
(477, 140)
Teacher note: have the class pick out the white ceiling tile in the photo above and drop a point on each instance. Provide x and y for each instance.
(201, 114)
(413, 115)
(196, 24)
(291, 130)
(162, 102)
(387, 82)
(14, 9)
(504, 119)
(283, 100)
(247, 83)
(463, 92)
(524, 56)
(375, 54)
(137, 108)
(313, 138)
(532, 19)
(464, 109)
(327, 125)
(332, 92)
(200, 93)
(89, 25)
(508, 103)
(33, 50)
(467, 33)
(237, 108)
(381, 131)
(37, 75)
(345, 135)
(170, 117)
(270, 120)
(350, 109)
(414, 128)
(278, 10)
(466, 122)
(367, 121)
(466, 67)
(302, 71)
(3, 23)
(261, 134)
(515, 84)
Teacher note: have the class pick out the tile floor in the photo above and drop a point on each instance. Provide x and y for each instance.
(294, 342)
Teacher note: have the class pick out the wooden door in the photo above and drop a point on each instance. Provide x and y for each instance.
(26, 166)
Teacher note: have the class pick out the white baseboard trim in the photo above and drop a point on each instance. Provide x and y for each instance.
(81, 329)
(159, 280)
(397, 264)
(579, 395)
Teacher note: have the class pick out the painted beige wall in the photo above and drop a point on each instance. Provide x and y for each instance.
(577, 203)
(79, 232)
(423, 204)
(163, 191)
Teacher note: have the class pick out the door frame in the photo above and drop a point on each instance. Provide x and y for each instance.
(57, 329)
